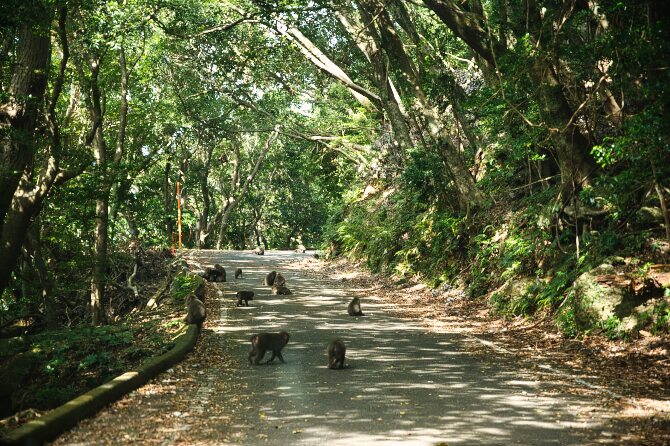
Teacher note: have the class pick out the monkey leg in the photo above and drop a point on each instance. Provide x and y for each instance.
(259, 356)
(276, 355)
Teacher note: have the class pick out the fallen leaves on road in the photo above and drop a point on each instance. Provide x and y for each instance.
(637, 369)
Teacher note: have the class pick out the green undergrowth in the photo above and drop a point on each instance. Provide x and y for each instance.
(183, 285)
(45, 370)
(514, 253)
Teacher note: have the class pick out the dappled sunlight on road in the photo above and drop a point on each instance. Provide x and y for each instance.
(400, 384)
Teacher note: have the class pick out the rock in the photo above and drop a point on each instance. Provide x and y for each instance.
(513, 289)
(604, 293)
(649, 216)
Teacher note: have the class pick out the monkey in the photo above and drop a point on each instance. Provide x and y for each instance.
(260, 343)
(208, 274)
(245, 296)
(216, 274)
(221, 273)
(270, 278)
(301, 249)
(196, 311)
(280, 289)
(200, 291)
(238, 273)
(354, 308)
(279, 280)
(259, 251)
(336, 350)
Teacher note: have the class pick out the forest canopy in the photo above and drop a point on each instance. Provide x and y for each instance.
(465, 143)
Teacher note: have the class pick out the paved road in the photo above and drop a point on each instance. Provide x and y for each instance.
(402, 385)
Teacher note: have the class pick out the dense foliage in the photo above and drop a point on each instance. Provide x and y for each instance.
(465, 143)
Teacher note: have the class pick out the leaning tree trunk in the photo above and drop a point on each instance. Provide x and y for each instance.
(17, 125)
(387, 38)
(571, 147)
(20, 199)
(389, 98)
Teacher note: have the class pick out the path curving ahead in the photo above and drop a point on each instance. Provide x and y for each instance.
(402, 384)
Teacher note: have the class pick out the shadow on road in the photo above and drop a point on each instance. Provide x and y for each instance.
(400, 385)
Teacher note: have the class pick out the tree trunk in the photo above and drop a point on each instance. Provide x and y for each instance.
(19, 114)
(28, 197)
(202, 233)
(389, 98)
(573, 150)
(167, 201)
(19, 200)
(234, 200)
(100, 234)
(571, 147)
(467, 26)
(319, 59)
(387, 38)
(34, 246)
(15, 228)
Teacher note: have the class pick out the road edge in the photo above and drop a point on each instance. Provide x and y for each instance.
(56, 421)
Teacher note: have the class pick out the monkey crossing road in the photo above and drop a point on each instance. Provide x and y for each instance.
(400, 384)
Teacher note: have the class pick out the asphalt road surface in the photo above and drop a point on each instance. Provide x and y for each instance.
(402, 385)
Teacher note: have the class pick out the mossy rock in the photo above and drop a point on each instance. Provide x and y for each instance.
(605, 294)
(597, 297)
(649, 216)
(515, 295)
(12, 346)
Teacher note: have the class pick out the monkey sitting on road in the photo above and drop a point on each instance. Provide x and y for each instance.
(260, 343)
(279, 280)
(259, 250)
(280, 289)
(245, 296)
(238, 273)
(270, 278)
(336, 350)
(354, 308)
(216, 274)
